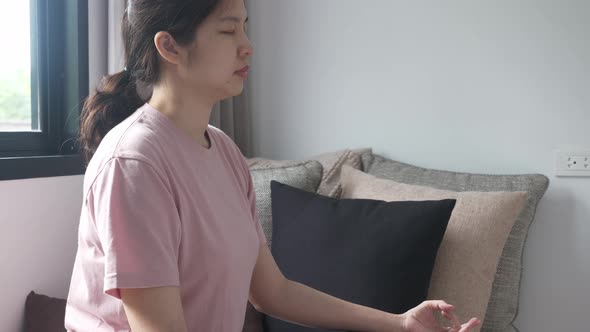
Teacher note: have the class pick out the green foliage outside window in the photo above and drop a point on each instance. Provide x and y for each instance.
(15, 96)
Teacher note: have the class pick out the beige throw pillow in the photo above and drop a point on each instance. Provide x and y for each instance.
(469, 253)
(332, 162)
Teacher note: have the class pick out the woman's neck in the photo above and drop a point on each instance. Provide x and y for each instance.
(188, 113)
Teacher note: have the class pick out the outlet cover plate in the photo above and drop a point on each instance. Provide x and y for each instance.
(572, 162)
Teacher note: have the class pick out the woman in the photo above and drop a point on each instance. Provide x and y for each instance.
(169, 238)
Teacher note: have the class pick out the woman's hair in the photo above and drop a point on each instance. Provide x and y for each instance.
(117, 97)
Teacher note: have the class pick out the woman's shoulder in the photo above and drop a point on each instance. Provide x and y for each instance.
(140, 136)
(227, 145)
(220, 135)
(133, 138)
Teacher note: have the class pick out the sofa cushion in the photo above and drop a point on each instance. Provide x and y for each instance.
(305, 175)
(503, 304)
(369, 252)
(44, 313)
(466, 262)
(254, 320)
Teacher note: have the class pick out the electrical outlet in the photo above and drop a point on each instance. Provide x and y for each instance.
(573, 162)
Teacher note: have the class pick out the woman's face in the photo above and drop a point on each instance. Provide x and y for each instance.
(221, 48)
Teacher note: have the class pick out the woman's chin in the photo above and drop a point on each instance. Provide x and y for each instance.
(237, 90)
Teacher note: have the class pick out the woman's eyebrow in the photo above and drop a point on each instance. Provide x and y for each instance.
(233, 19)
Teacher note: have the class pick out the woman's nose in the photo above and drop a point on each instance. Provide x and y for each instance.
(247, 50)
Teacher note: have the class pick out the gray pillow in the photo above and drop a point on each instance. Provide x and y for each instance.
(503, 303)
(304, 175)
(332, 163)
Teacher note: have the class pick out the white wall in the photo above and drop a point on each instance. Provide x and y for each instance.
(38, 227)
(478, 86)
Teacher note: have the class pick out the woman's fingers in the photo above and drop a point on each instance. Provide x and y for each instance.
(447, 329)
(452, 318)
(440, 305)
(473, 322)
(447, 312)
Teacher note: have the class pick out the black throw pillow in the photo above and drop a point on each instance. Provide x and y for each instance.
(44, 313)
(370, 252)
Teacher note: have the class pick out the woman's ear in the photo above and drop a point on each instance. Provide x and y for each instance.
(167, 47)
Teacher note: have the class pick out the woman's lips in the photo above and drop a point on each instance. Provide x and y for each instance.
(243, 72)
(246, 68)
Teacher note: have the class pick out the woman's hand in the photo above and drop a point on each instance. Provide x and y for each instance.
(422, 319)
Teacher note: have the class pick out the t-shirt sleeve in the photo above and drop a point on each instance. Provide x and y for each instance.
(138, 225)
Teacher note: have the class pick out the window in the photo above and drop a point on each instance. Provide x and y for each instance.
(16, 111)
(43, 84)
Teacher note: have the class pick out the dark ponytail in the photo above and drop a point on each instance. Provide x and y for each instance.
(117, 97)
(111, 103)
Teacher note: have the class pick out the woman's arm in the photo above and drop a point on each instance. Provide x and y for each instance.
(156, 309)
(276, 296)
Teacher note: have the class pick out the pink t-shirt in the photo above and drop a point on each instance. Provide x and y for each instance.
(159, 209)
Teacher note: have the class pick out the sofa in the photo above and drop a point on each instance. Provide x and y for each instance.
(475, 261)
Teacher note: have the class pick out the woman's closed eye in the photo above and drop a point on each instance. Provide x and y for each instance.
(231, 32)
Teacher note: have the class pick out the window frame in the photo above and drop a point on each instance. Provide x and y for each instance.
(59, 83)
